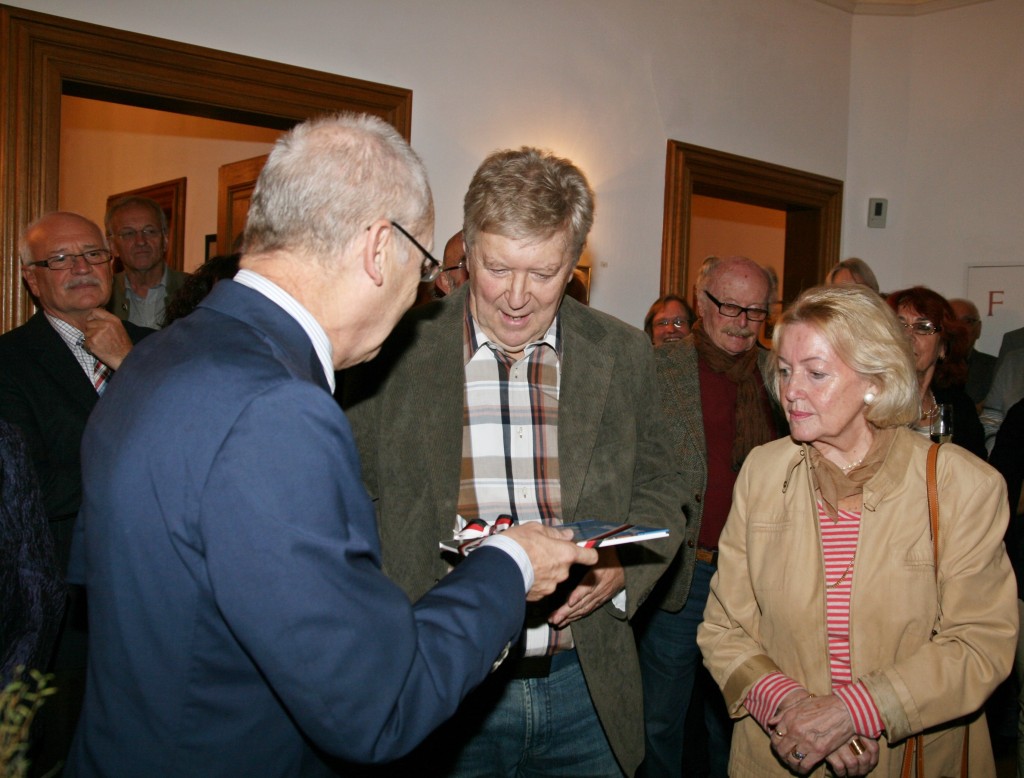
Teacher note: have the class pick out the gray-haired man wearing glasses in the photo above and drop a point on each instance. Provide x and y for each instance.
(56, 365)
(716, 410)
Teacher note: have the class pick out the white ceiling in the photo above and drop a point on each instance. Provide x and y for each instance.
(898, 7)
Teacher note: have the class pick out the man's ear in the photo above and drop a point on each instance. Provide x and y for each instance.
(443, 283)
(28, 273)
(373, 249)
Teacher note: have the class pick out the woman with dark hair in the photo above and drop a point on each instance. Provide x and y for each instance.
(941, 344)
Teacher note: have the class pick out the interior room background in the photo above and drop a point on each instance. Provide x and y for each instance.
(920, 103)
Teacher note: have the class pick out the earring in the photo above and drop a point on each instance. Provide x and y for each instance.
(869, 397)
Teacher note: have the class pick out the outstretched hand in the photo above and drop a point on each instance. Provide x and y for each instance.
(552, 553)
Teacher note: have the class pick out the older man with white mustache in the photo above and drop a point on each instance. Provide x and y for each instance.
(56, 365)
(716, 410)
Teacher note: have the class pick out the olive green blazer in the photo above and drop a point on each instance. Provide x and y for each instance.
(120, 305)
(406, 409)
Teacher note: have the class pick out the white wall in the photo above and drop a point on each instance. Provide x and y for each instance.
(926, 111)
(603, 82)
(937, 121)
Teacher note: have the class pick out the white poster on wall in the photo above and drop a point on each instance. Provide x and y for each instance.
(998, 291)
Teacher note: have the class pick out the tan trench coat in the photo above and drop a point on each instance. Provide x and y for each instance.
(767, 604)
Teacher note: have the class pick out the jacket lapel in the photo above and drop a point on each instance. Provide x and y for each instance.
(56, 360)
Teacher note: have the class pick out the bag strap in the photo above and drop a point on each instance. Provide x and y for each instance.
(915, 744)
(933, 502)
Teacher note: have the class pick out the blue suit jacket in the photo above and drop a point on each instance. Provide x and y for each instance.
(239, 620)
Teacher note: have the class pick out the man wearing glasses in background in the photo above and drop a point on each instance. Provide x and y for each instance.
(137, 230)
(454, 272)
(717, 410)
(55, 366)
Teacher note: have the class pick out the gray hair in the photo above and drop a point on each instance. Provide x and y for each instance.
(330, 178)
(123, 202)
(857, 268)
(864, 333)
(529, 194)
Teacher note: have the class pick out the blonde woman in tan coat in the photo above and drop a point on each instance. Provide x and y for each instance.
(832, 634)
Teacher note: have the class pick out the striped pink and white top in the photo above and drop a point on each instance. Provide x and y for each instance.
(839, 549)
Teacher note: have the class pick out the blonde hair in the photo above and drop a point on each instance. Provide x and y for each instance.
(864, 333)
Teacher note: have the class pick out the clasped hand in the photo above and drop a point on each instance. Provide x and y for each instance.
(807, 729)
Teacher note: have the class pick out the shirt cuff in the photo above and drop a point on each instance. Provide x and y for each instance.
(866, 719)
(619, 600)
(518, 554)
(767, 694)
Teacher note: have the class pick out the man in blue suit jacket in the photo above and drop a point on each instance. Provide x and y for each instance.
(240, 622)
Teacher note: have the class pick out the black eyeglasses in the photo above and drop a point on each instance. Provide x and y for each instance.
(732, 310)
(65, 261)
(430, 268)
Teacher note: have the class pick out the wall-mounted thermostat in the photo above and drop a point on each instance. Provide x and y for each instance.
(877, 208)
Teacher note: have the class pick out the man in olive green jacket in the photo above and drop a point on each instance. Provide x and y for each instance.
(408, 409)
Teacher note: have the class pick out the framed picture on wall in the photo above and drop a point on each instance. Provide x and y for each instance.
(170, 196)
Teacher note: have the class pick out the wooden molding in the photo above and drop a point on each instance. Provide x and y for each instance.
(813, 205)
(47, 56)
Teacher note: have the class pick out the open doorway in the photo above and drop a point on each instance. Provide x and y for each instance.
(810, 206)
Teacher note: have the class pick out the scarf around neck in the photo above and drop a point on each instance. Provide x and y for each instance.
(752, 425)
(834, 484)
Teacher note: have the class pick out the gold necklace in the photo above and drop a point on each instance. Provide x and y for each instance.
(846, 572)
(933, 411)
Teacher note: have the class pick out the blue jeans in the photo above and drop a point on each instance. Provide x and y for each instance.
(540, 727)
(670, 664)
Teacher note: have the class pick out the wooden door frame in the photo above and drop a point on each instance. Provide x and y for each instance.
(44, 57)
(813, 205)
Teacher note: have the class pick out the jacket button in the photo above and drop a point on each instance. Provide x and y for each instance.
(696, 498)
(689, 543)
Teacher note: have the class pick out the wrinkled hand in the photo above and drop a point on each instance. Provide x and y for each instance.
(845, 761)
(551, 553)
(106, 338)
(815, 727)
(600, 584)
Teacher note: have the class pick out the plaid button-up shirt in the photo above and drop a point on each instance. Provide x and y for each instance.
(510, 446)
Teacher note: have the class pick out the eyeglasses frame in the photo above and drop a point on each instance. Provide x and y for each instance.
(84, 255)
(762, 313)
(431, 266)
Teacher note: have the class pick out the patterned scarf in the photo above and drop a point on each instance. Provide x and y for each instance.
(752, 426)
(834, 484)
